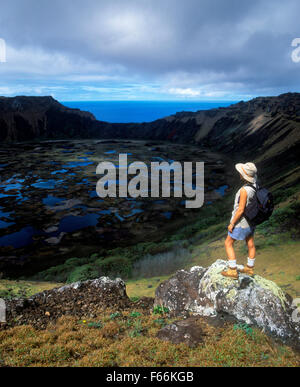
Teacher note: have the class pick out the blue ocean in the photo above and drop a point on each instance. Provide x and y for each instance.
(141, 111)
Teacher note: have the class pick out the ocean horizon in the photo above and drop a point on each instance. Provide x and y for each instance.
(141, 111)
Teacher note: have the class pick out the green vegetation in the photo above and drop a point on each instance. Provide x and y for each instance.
(210, 223)
(161, 322)
(145, 265)
(244, 327)
(136, 288)
(140, 264)
(128, 338)
(115, 315)
(135, 314)
(281, 195)
(142, 260)
(283, 220)
(137, 329)
(14, 289)
(147, 259)
(82, 273)
(96, 325)
(160, 310)
(161, 264)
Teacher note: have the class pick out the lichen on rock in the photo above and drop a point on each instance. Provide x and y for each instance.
(252, 300)
(272, 287)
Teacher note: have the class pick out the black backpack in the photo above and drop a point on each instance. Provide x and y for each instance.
(263, 209)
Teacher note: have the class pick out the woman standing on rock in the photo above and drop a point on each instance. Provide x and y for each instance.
(239, 228)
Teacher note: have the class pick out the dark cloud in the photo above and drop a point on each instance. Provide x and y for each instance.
(194, 48)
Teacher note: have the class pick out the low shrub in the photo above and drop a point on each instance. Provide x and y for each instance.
(282, 220)
(82, 273)
(160, 264)
(280, 195)
(114, 266)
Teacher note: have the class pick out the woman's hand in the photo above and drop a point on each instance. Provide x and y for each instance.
(230, 227)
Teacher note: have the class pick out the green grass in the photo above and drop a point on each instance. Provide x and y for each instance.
(143, 286)
(13, 288)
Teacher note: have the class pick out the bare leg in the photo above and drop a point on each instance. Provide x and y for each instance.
(229, 248)
(251, 247)
(249, 269)
(232, 269)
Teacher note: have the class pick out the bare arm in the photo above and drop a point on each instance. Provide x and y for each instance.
(240, 210)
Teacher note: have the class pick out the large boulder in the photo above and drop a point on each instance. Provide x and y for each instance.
(180, 293)
(206, 292)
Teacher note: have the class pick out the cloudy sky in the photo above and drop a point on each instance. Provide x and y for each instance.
(149, 49)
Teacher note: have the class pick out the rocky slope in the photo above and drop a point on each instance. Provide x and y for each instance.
(265, 130)
(80, 299)
(197, 293)
(268, 127)
(29, 118)
(267, 119)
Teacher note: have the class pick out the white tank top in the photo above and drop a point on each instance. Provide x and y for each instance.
(251, 201)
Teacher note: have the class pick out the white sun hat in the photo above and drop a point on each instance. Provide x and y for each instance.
(248, 171)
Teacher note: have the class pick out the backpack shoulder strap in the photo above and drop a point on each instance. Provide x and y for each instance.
(245, 185)
(252, 186)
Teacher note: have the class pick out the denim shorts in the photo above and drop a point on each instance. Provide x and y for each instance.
(240, 233)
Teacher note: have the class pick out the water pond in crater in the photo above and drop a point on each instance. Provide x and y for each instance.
(55, 189)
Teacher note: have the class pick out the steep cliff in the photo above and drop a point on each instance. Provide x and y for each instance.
(267, 127)
(30, 118)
